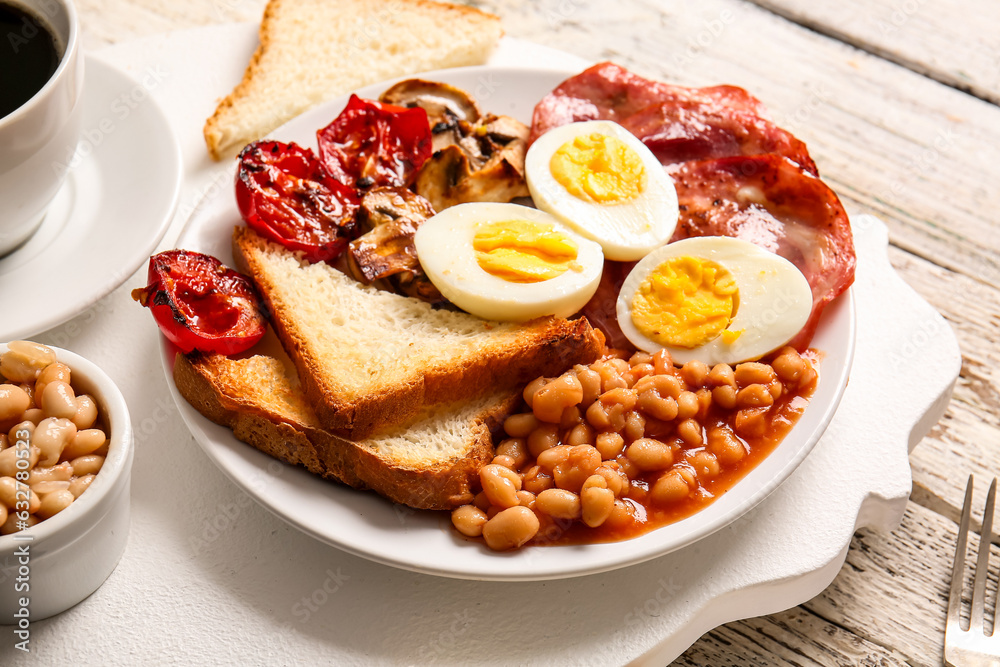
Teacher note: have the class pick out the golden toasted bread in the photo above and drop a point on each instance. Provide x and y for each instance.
(312, 50)
(428, 462)
(369, 359)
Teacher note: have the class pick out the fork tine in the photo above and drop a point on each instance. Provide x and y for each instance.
(983, 562)
(955, 596)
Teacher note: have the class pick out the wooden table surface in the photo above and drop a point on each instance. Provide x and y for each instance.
(897, 102)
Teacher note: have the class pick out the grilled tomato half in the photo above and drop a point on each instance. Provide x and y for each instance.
(372, 144)
(201, 304)
(286, 195)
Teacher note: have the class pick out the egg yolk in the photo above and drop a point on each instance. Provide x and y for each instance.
(686, 302)
(520, 251)
(599, 169)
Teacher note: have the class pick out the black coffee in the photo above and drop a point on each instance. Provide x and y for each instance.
(29, 55)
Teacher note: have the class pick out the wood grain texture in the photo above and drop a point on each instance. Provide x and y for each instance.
(943, 40)
(920, 154)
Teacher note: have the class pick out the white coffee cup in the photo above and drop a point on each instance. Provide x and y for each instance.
(36, 138)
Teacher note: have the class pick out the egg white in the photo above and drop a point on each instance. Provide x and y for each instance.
(444, 249)
(775, 299)
(626, 231)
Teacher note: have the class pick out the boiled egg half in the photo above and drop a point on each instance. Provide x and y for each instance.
(596, 177)
(508, 262)
(713, 299)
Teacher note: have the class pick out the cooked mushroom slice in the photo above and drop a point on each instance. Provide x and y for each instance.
(486, 165)
(446, 106)
(392, 216)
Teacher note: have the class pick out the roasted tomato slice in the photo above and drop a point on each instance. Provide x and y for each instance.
(201, 304)
(372, 144)
(285, 194)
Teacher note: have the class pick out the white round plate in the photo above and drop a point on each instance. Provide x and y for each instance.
(369, 526)
(107, 218)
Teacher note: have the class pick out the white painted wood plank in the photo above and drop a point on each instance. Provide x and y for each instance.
(953, 41)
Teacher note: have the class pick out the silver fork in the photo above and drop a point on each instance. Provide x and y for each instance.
(972, 647)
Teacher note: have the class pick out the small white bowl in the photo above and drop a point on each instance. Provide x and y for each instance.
(72, 553)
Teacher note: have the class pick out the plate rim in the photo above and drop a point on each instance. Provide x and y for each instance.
(196, 422)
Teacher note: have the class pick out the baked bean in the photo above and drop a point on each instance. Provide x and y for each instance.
(621, 366)
(505, 461)
(542, 438)
(81, 484)
(695, 373)
(481, 501)
(582, 434)
(24, 360)
(663, 408)
(3, 514)
(510, 529)
(553, 456)
(84, 442)
(788, 365)
(614, 477)
(637, 372)
(51, 437)
(630, 469)
(92, 463)
(596, 504)
(532, 388)
(29, 389)
(662, 363)
(635, 425)
(558, 503)
(622, 515)
(754, 396)
(53, 503)
(520, 425)
(12, 492)
(469, 520)
(664, 385)
(537, 480)
(8, 489)
(3, 441)
(57, 473)
(620, 396)
(725, 445)
(581, 463)
(516, 449)
(725, 396)
(648, 454)
(526, 499)
(33, 415)
(704, 463)
(590, 381)
(687, 405)
(500, 484)
(13, 402)
(57, 372)
(9, 458)
(597, 416)
(86, 412)
(749, 423)
(551, 399)
(11, 525)
(610, 377)
(689, 431)
(809, 376)
(753, 372)
(609, 445)
(571, 416)
(775, 388)
(721, 374)
(669, 488)
(22, 431)
(44, 488)
(639, 357)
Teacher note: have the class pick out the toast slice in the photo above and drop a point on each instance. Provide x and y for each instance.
(427, 463)
(369, 359)
(312, 50)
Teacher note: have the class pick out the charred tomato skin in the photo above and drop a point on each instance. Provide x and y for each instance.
(373, 144)
(285, 194)
(201, 304)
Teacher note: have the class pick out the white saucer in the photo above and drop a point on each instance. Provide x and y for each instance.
(109, 215)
